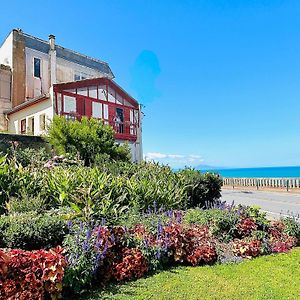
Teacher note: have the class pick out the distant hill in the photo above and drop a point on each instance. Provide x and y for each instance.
(209, 168)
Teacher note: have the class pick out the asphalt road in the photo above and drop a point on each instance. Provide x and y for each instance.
(274, 204)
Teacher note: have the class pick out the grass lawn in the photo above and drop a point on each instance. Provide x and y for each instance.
(268, 277)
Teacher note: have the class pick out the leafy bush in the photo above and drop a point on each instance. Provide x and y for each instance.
(92, 253)
(254, 213)
(292, 227)
(30, 156)
(248, 249)
(16, 180)
(221, 222)
(31, 231)
(26, 204)
(203, 190)
(87, 137)
(107, 191)
(245, 227)
(132, 265)
(31, 275)
(279, 240)
(190, 244)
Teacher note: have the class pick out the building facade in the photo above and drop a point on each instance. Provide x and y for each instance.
(39, 79)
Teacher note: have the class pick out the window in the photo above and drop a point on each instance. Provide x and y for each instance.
(97, 110)
(31, 125)
(93, 92)
(80, 76)
(105, 111)
(111, 95)
(69, 104)
(42, 122)
(37, 67)
(82, 91)
(102, 95)
(23, 126)
(119, 120)
(77, 77)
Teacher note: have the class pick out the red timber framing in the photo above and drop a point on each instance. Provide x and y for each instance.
(100, 98)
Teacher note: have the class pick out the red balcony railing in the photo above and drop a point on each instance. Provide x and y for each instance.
(123, 130)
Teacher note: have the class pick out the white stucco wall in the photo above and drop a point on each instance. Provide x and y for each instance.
(36, 86)
(6, 51)
(66, 70)
(44, 107)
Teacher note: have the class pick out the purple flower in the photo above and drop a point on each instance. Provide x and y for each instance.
(159, 228)
(149, 211)
(88, 234)
(69, 224)
(178, 217)
(81, 227)
(158, 254)
(112, 238)
(154, 206)
(146, 243)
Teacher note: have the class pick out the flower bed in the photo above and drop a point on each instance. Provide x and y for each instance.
(98, 254)
(95, 254)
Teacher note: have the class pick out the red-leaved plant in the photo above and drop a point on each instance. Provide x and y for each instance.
(247, 249)
(190, 245)
(280, 241)
(31, 274)
(131, 265)
(245, 227)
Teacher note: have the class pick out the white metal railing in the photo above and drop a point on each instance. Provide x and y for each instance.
(280, 183)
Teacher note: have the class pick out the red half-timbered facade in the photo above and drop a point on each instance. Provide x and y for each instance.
(100, 98)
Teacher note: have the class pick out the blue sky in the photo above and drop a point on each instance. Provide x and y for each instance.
(220, 80)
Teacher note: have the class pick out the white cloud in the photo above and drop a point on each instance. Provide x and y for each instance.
(174, 160)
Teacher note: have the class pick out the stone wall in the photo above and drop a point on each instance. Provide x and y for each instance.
(22, 140)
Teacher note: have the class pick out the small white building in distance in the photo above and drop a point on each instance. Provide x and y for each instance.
(39, 79)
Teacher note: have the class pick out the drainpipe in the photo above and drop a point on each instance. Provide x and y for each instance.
(52, 60)
(7, 121)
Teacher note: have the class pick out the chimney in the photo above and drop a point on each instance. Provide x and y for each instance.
(52, 41)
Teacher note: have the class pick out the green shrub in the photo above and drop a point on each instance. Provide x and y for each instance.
(221, 223)
(30, 231)
(108, 190)
(203, 190)
(30, 156)
(26, 204)
(253, 212)
(292, 227)
(16, 180)
(87, 138)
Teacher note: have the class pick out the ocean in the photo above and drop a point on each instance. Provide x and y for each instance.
(267, 172)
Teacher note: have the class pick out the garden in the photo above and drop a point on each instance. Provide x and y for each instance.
(79, 216)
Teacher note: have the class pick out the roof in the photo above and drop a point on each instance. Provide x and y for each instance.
(67, 54)
(96, 81)
(28, 103)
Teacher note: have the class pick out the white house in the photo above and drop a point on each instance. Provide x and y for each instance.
(39, 79)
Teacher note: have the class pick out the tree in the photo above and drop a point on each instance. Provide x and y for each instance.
(88, 138)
